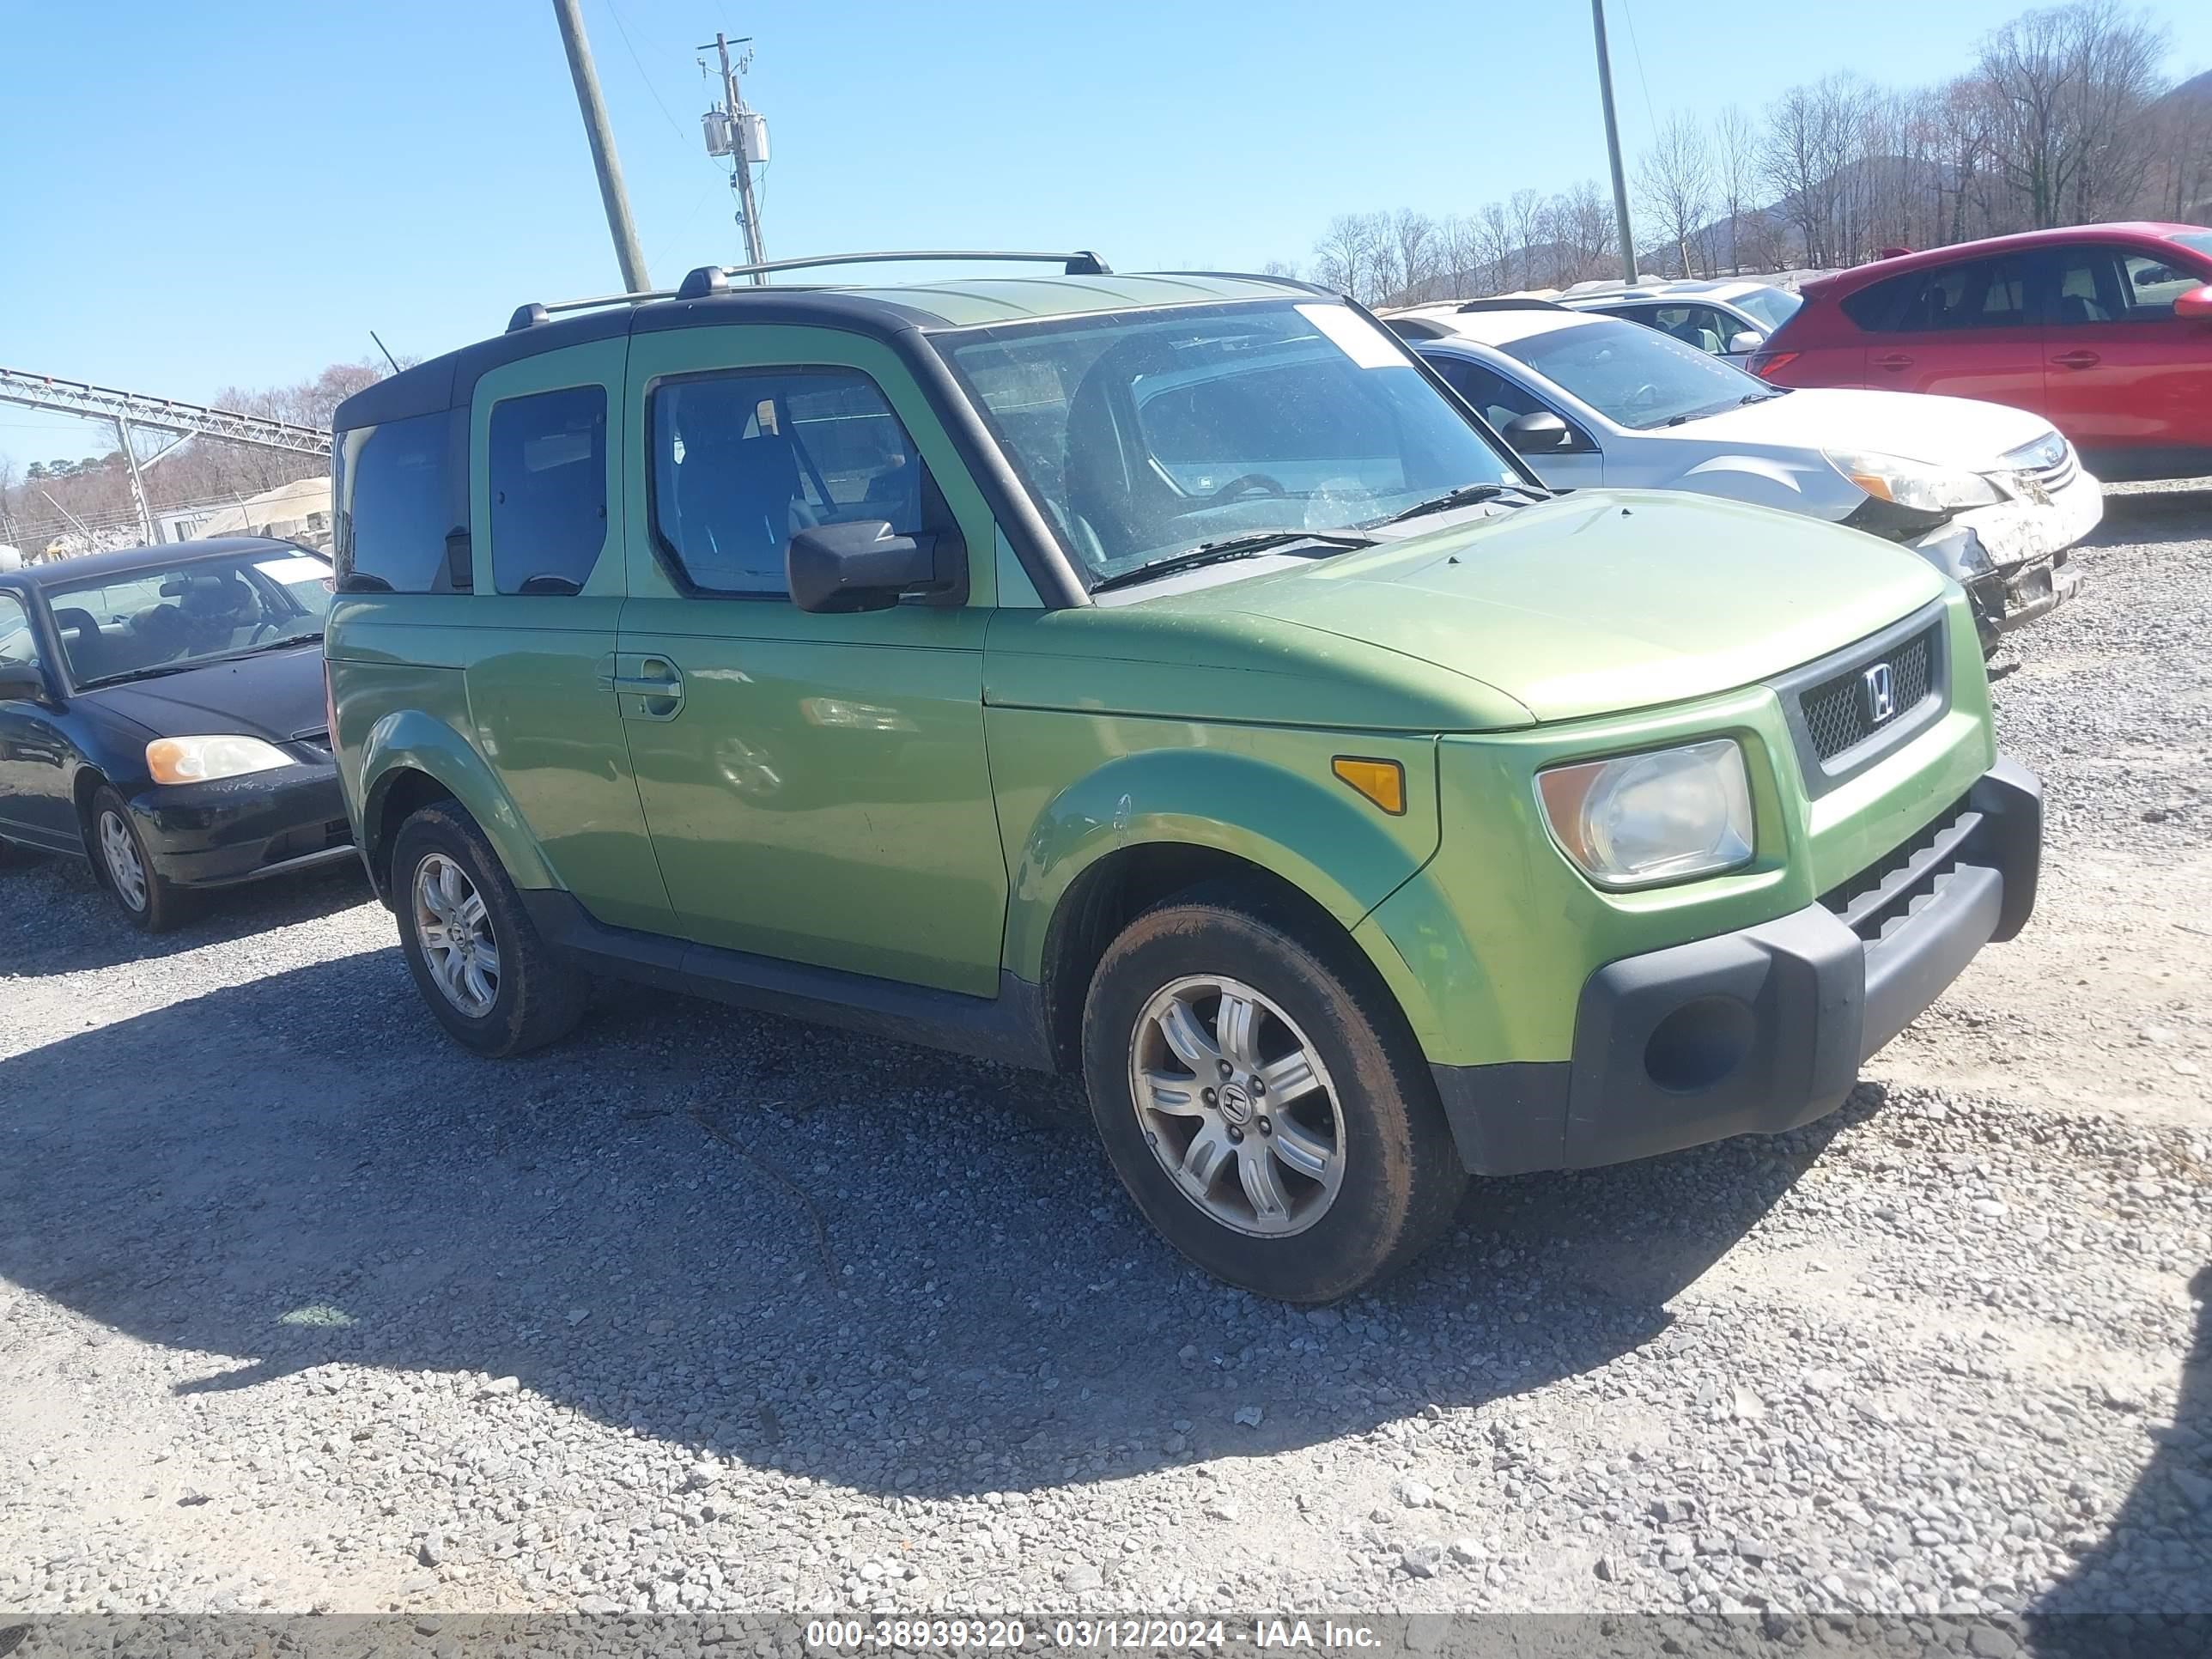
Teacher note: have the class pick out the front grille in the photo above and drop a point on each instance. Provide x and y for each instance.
(2050, 462)
(1840, 712)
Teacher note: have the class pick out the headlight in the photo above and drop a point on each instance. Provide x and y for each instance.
(1667, 814)
(1914, 484)
(198, 760)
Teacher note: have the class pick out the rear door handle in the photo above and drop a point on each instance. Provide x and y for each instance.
(1894, 360)
(2076, 360)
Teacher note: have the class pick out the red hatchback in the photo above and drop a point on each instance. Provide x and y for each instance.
(2105, 331)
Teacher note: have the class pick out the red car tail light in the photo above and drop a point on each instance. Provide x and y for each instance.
(1764, 364)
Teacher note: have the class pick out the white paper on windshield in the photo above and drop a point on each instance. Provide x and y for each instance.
(1358, 338)
(289, 571)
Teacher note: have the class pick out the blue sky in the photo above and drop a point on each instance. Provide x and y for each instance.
(235, 191)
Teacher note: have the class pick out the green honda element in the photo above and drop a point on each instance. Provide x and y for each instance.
(1165, 678)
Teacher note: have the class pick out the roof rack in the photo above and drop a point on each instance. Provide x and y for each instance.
(715, 279)
(1510, 303)
(534, 313)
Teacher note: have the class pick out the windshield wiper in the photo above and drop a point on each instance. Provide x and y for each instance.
(266, 645)
(1763, 397)
(1465, 495)
(1220, 552)
(189, 663)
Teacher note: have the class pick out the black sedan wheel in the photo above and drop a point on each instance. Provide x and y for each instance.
(150, 900)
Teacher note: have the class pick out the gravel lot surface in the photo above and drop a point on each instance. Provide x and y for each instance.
(301, 1308)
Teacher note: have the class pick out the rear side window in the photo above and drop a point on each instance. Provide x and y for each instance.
(1974, 294)
(548, 465)
(397, 504)
(743, 461)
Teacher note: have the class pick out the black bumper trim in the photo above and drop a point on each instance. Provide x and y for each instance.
(1762, 1029)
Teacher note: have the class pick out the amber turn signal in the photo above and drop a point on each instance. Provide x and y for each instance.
(1382, 782)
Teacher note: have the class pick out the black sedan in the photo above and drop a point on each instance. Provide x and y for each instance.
(161, 715)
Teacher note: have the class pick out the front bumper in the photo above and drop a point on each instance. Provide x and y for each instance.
(1762, 1029)
(2012, 557)
(234, 829)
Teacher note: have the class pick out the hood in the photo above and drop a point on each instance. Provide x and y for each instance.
(276, 697)
(1603, 601)
(1960, 432)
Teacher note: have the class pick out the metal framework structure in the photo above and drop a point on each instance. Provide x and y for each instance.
(125, 410)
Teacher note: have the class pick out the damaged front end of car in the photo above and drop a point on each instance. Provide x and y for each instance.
(2010, 554)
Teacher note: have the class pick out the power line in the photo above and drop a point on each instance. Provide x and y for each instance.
(622, 29)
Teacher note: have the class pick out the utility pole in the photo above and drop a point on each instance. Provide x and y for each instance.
(628, 254)
(741, 180)
(138, 497)
(1612, 145)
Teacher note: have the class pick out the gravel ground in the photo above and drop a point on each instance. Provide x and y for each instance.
(302, 1308)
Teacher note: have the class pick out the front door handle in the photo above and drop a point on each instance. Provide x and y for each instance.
(2076, 360)
(1895, 359)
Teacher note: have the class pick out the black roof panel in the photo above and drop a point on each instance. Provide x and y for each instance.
(49, 573)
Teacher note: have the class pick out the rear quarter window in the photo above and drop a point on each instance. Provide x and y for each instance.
(397, 495)
(548, 457)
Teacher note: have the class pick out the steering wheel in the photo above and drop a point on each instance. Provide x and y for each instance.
(266, 625)
(1250, 484)
(1642, 397)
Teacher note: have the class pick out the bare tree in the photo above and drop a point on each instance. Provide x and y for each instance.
(1494, 238)
(1675, 177)
(1735, 174)
(1409, 253)
(1349, 257)
(2069, 89)
(1528, 218)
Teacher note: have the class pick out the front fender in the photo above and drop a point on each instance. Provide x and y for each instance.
(1280, 810)
(410, 740)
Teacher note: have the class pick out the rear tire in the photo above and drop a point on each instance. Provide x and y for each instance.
(148, 900)
(1342, 1175)
(478, 960)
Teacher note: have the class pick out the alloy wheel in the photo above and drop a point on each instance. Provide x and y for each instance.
(121, 853)
(1237, 1105)
(454, 929)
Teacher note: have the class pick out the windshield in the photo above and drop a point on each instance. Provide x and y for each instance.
(1141, 439)
(1774, 306)
(127, 623)
(1634, 375)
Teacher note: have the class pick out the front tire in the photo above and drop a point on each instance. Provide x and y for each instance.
(1259, 1096)
(150, 901)
(478, 960)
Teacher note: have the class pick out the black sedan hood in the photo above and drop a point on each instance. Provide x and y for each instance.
(276, 696)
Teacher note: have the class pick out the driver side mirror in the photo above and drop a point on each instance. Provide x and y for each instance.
(1538, 432)
(2196, 305)
(1743, 344)
(22, 680)
(862, 566)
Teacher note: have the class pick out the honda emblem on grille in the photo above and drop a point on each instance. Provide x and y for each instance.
(1880, 694)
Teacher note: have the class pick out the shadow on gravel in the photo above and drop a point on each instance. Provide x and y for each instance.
(2152, 516)
(884, 1267)
(76, 925)
(2154, 1560)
